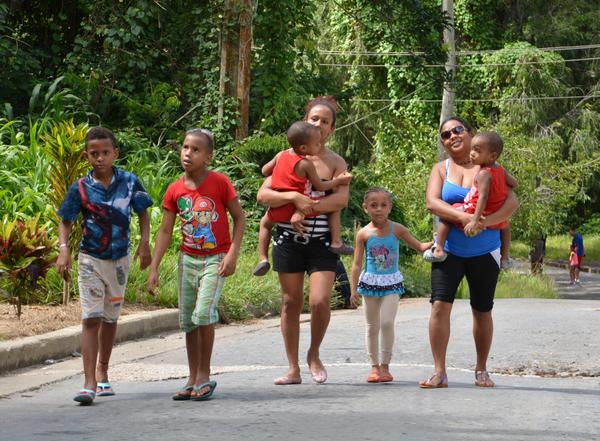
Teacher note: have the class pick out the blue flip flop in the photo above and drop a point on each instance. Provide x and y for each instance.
(183, 394)
(210, 384)
(85, 396)
(104, 390)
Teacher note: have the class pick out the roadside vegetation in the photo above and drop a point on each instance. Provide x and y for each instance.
(124, 65)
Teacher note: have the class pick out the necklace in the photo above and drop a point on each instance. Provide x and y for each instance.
(465, 162)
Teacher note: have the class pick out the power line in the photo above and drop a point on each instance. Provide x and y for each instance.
(530, 98)
(570, 60)
(459, 53)
(404, 98)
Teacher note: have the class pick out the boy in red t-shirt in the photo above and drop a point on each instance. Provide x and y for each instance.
(201, 198)
(291, 171)
(486, 196)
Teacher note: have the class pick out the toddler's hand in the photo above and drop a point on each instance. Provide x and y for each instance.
(343, 179)
(296, 221)
(472, 229)
(355, 299)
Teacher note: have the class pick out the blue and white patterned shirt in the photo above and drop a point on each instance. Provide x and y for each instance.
(106, 212)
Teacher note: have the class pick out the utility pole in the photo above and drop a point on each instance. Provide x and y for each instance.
(448, 94)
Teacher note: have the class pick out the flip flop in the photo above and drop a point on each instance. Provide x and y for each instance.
(261, 269)
(285, 380)
(104, 390)
(373, 377)
(482, 379)
(210, 384)
(386, 378)
(319, 377)
(428, 256)
(85, 396)
(343, 249)
(428, 384)
(181, 394)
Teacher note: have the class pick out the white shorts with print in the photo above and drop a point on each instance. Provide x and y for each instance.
(102, 286)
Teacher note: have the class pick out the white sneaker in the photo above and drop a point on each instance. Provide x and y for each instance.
(507, 264)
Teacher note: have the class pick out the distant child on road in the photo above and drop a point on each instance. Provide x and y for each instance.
(291, 171)
(576, 255)
(486, 196)
(201, 199)
(381, 282)
(105, 197)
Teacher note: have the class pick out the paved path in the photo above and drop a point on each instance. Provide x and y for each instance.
(588, 289)
(550, 337)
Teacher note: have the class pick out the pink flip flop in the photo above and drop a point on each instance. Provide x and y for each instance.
(319, 377)
(285, 380)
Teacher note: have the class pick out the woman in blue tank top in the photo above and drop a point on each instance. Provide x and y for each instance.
(476, 258)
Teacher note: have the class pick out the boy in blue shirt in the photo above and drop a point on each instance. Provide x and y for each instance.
(105, 197)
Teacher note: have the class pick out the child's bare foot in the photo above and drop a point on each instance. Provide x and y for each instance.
(341, 248)
(262, 268)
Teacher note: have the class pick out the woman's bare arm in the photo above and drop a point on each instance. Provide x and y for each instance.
(272, 198)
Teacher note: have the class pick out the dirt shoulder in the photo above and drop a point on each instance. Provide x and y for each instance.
(39, 319)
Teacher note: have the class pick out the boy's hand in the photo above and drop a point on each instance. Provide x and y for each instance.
(144, 254)
(355, 299)
(304, 203)
(63, 263)
(343, 179)
(152, 282)
(472, 229)
(227, 265)
(296, 221)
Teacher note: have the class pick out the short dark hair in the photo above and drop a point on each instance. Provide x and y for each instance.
(493, 141)
(374, 190)
(300, 132)
(100, 133)
(203, 133)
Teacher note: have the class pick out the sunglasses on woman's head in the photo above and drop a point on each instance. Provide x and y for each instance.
(446, 134)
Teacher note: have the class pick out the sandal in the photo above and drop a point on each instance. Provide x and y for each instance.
(373, 376)
(104, 390)
(428, 256)
(343, 249)
(183, 394)
(287, 380)
(196, 396)
(386, 377)
(482, 379)
(429, 384)
(261, 269)
(85, 396)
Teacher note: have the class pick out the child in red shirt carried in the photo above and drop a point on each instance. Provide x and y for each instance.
(291, 171)
(201, 198)
(486, 196)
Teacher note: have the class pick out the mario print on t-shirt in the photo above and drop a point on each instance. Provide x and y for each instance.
(197, 216)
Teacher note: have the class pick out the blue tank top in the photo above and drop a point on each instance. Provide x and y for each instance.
(382, 254)
(458, 243)
(381, 276)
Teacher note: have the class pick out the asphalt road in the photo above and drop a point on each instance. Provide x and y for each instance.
(554, 338)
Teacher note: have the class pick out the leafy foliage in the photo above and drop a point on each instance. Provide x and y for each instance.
(26, 253)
